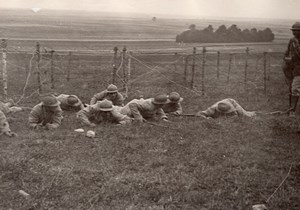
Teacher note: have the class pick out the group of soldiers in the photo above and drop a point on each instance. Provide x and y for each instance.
(108, 105)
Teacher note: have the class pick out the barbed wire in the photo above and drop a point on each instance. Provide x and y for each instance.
(20, 67)
(144, 63)
(195, 92)
(27, 79)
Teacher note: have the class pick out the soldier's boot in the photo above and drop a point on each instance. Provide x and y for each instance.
(293, 107)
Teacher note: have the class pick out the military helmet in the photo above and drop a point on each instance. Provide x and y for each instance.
(174, 97)
(105, 105)
(296, 26)
(112, 88)
(160, 99)
(73, 100)
(223, 107)
(50, 101)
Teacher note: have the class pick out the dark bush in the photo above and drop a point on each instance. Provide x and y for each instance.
(223, 34)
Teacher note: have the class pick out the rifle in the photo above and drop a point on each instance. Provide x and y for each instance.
(274, 113)
(191, 115)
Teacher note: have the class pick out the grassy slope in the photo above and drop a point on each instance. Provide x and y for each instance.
(219, 164)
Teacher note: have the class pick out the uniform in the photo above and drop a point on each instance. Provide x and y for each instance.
(96, 114)
(143, 108)
(117, 101)
(40, 116)
(4, 126)
(232, 109)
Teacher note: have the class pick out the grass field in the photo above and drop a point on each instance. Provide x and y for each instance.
(227, 163)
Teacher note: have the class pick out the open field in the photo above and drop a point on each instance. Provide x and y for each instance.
(63, 30)
(227, 163)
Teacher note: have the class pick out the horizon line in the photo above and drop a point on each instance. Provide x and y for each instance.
(164, 16)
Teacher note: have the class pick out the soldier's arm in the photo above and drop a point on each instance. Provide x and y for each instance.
(160, 112)
(81, 105)
(34, 118)
(287, 52)
(57, 119)
(4, 108)
(120, 118)
(239, 109)
(134, 108)
(97, 97)
(296, 46)
(179, 109)
(120, 100)
(83, 116)
(209, 112)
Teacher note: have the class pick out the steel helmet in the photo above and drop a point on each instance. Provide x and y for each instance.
(174, 97)
(50, 101)
(223, 107)
(296, 26)
(105, 105)
(73, 100)
(160, 99)
(112, 88)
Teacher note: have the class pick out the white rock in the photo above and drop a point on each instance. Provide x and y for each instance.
(79, 130)
(90, 134)
(259, 207)
(22, 192)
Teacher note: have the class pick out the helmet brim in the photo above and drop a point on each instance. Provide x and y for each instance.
(52, 105)
(105, 109)
(159, 102)
(178, 101)
(112, 91)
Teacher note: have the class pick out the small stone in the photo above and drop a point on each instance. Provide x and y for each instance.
(90, 134)
(25, 194)
(259, 207)
(79, 130)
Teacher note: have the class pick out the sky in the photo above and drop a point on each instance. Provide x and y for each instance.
(281, 9)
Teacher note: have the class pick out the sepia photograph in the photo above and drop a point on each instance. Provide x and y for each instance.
(149, 105)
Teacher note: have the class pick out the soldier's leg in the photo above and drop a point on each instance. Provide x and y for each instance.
(294, 96)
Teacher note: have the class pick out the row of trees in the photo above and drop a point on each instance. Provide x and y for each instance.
(223, 34)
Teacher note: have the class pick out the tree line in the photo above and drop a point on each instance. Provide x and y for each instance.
(223, 34)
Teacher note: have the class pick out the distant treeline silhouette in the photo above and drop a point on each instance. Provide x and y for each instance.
(223, 34)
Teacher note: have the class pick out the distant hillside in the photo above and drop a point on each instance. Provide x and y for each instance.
(51, 24)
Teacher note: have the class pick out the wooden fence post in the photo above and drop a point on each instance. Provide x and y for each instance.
(114, 65)
(124, 67)
(218, 64)
(265, 72)
(229, 67)
(132, 63)
(52, 68)
(186, 60)
(193, 68)
(269, 67)
(4, 70)
(175, 63)
(256, 63)
(69, 65)
(38, 59)
(129, 68)
(203, 69)
(246, 66)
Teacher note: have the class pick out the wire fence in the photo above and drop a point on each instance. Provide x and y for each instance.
(200, 73)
